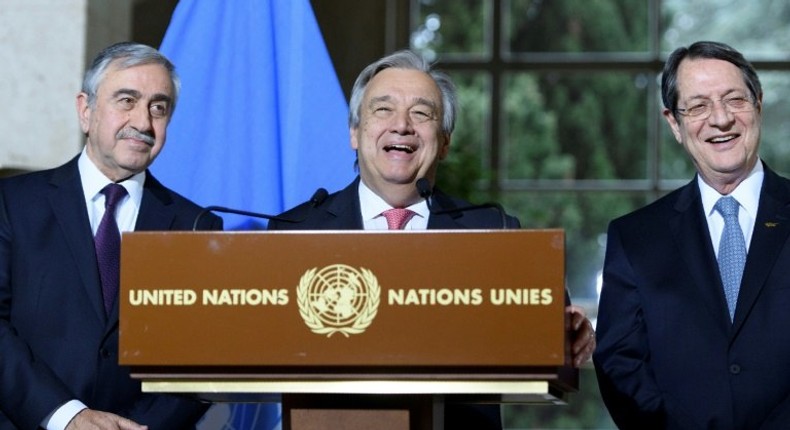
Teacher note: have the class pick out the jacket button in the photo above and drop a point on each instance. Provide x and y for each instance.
(735, 369)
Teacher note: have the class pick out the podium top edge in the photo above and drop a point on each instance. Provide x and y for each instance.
(347, 232)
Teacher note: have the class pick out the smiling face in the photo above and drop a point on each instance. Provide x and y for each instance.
(723, 146)
(126, 127)
(399, 138)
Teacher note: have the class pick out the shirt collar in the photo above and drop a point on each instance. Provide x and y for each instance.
(372, 205)
(93, 180)
(747, 192)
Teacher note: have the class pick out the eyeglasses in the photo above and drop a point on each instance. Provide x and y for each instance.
(703, 107)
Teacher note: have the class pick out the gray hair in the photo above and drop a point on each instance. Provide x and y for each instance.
(405, 60)
(127, 54)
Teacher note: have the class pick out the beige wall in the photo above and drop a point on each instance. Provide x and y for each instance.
(44, 45)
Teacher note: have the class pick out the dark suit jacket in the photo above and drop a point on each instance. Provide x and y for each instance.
(341, 211)
(668, 356)
(56, 344)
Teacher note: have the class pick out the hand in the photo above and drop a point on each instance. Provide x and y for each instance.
(88, 419)
(582, 334)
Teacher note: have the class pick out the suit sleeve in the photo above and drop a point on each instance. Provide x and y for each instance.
(622, 358)
(29, 390)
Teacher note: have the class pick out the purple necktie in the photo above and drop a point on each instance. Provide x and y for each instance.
(108, 245)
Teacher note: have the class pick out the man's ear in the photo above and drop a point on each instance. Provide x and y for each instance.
(445, 146)
(84, 112)
(352, 131)
(673, 124)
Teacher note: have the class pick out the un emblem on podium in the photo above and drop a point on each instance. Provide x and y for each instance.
(338, 299)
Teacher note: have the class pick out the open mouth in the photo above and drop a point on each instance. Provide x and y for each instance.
(722, 139)
(400, 147)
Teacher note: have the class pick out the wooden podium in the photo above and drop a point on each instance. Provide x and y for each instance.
(348, 327)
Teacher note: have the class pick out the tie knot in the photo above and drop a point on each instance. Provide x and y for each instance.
(113, 193)
(397, 218)
(727, 206)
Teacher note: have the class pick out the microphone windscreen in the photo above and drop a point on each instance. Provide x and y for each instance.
(424, 188)
(318, 197)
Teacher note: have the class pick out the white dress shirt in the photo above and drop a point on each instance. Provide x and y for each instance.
(372, 206)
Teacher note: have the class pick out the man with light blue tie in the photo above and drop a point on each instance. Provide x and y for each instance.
(696, 286)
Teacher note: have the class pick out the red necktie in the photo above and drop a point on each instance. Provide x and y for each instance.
(397, 218)
(108, 245)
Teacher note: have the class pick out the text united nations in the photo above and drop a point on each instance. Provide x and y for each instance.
(395, 297)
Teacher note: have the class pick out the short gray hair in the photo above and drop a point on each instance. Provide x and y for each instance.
(405, 60)
(127, 54)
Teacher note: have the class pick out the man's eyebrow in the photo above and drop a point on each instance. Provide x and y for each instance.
(158, 97)
(416, 101)
(724, 94)
(426, 102)
(378, 99)
(127, 91)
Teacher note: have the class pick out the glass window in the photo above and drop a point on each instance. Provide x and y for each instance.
(575, 26)
(453, 27)
(775, 127)
(758, 28)
(575, 125)
(468, 165)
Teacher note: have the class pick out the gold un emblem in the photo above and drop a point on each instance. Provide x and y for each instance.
(338, 299)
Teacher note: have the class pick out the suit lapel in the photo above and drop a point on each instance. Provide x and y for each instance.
(447, 221)
(156, 208)
(343, 211)
(690, 232)
(67, 202)
(771, 230)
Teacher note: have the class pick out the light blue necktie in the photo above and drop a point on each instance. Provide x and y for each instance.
(732, 251)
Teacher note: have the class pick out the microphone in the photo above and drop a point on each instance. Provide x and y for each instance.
(316, 200)
(425, 191)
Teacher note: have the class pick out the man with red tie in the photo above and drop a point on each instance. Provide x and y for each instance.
(401, 118)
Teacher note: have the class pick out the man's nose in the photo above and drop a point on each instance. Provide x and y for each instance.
(140, 118)
(402, 123)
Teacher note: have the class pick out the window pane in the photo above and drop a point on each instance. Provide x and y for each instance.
(590, 125)
(756, 28)
(775, 127)
(585, 217)
(466, 166)
(575, 26)
(451, 27)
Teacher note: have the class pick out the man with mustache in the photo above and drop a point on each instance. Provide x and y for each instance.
(401, 117)
(58, 283)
